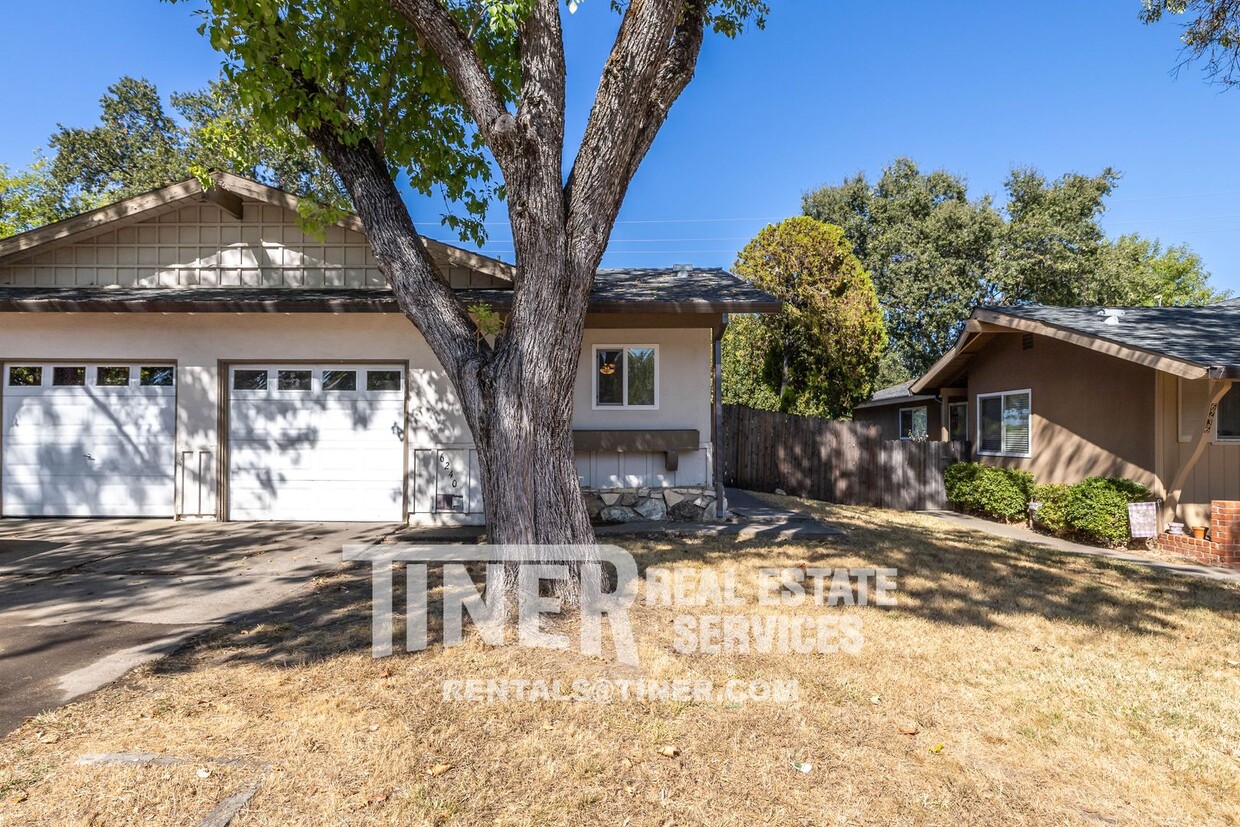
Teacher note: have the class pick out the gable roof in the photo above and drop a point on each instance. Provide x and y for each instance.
(228, 193)
(711, 291)
(894, 394)
(1191, 342)
(654, 290)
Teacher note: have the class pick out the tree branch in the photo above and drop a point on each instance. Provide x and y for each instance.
(478, 91)
(535, 178)
(677, 70)
(423, 295)
(612, 145)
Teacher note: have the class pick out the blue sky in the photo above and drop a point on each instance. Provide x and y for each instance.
(828, 89)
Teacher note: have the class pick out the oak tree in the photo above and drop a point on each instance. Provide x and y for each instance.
(468, 98)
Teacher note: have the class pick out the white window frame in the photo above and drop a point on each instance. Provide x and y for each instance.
(1214, 436)
(964, 403)
(900, 423)
(272, 369)
(1003, 425)
(624, 390)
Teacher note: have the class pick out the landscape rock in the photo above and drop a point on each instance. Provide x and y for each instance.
(652, 508)
(619, 514)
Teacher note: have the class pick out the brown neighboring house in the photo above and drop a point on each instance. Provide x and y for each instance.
(1072, 392)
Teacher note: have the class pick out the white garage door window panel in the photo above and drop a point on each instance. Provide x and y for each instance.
(88, 450)
(315, 454)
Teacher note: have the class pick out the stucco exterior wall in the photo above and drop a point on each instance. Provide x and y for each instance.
(1092, 415)
(200, 343)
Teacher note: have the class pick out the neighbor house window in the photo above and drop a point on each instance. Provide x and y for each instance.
(626, 376)
(914, 423)
(1003, 423)
(1228, 417)
(958, 421)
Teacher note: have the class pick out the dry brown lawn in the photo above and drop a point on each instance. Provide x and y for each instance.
(1011, 685)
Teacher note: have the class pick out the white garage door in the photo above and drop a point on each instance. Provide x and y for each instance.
(316, 442)
(88, 440)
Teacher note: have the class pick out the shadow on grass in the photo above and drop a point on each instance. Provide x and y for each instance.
(947, 575)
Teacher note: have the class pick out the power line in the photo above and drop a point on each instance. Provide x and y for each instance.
(1173, 197)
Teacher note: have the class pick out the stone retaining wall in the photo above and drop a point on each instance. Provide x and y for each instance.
(630, 505)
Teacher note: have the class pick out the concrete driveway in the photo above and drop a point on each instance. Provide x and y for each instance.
(84, 601)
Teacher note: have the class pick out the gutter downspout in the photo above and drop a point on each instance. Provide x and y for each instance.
(721, 504)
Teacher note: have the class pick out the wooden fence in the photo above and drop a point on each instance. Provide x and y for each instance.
(839, 462)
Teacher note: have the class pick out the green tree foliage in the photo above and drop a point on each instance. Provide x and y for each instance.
(820, 355)
(935, 253)
(27, 198)
(139, 145)
(1140, 271)
(1050, 248)
(926, 245)
(1212, 33)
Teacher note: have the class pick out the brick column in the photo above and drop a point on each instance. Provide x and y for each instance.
(1225, 531)
(1223, 546)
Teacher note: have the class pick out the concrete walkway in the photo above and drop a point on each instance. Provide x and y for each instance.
(1025, 535)
(753, 520)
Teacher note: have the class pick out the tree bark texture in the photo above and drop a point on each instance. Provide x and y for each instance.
(517, 393)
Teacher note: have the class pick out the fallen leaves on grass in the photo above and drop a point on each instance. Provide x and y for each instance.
(669, 751)
(438, 769)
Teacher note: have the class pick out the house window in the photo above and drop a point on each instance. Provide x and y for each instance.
(293, 380)
(626, 376)
(161, 377)
(70, 376)
(339, 380)
(914, 423)
(382, 380)
(1228, 418)
(958, 421)
(20, 377)
(1003, 423)
(112, 377)
(250, 380)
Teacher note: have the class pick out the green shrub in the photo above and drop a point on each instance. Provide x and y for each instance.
(1001, 493)
(958, 480)
(1052, 514)
(1097, 508)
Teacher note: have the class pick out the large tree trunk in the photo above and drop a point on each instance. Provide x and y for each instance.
(522, 422)
(517, 393)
